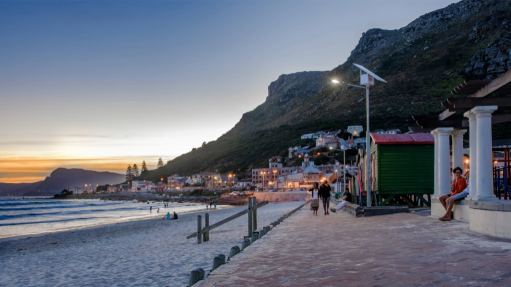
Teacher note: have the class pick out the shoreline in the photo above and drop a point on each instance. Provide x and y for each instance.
(148, 252)
(141, 218)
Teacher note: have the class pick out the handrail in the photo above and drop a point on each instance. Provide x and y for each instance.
(221, 222)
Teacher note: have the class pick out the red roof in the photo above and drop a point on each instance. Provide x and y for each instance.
(403, 139)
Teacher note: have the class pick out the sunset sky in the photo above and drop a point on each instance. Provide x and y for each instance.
(103, 84)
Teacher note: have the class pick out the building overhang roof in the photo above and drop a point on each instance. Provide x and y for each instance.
(403, 138)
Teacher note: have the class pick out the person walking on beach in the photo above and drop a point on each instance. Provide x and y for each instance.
(315, 198)
(158, 211)
(151, 209)
(324, 194)
(214, 204)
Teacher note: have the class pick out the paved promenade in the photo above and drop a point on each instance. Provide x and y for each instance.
(391, 250)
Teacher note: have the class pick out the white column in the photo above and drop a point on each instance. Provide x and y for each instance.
(457, 148)
(435, 136)
(484, 164)
(443, 168)
(472, 127)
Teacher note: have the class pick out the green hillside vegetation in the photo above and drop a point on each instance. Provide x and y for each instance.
(421, 63)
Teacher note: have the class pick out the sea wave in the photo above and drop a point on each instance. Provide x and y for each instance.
(83, 211)
(50, 221)
(36, 207)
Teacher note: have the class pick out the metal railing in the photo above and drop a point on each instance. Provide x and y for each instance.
(252, 221)
(501, 177)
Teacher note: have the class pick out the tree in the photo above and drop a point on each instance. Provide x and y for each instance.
(203, 144)
(160, 162)
(129, 173)
(144, 167)
(136, 172)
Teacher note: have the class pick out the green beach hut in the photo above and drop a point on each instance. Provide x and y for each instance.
(402, 168)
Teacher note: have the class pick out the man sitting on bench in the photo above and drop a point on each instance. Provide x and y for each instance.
(346, 196)
(459, 190)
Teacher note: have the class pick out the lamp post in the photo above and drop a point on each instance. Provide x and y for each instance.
(263, 178)
(366, 80)
(337, 181)
(274, 175)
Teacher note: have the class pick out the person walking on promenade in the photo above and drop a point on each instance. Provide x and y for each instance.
(324, 194)
(315, 198)
(458, 190)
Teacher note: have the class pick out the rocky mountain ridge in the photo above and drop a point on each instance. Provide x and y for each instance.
(422, 62)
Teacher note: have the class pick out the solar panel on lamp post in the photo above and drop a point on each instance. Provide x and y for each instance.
(366, 80)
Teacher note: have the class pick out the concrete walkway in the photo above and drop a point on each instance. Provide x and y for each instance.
(391, 250)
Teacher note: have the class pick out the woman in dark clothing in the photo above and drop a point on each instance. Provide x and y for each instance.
(324, 193)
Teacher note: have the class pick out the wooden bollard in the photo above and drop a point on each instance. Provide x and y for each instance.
(266, 229)
(206, 224)
(195, 276)
(199, 229)
(217, 262)
(222, 257)
(254, 238)
(245, 244)
(250, 227)
(234, 250)
(254, 213)
(262, 233)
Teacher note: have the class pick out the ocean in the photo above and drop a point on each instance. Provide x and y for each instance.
(34, 215)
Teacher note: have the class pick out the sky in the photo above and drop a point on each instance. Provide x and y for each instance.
(103, 84)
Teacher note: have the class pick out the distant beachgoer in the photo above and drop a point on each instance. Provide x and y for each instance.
(158, 211)
(214, 204)
(315, 198)
(175, 215)
(206, 206)
(151, 209)
(324, 194)
(167, 216)
(346, 196)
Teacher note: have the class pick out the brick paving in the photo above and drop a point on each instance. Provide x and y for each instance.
(391, 250)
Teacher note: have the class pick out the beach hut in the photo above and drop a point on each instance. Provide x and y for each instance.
(402, 168)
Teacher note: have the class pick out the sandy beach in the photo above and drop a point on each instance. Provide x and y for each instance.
(151, 252)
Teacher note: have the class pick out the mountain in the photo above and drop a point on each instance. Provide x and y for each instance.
(421, 62)
(10, 188)
(63, 178)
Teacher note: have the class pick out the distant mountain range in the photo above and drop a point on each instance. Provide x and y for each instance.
(60, 179)
(422, 62)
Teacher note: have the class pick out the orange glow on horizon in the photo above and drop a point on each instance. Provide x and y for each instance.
(33, 169)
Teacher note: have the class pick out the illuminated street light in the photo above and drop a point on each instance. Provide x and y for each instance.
(366, 80)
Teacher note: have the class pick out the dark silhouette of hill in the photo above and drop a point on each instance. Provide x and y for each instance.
(10, 188)
(71, 179)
